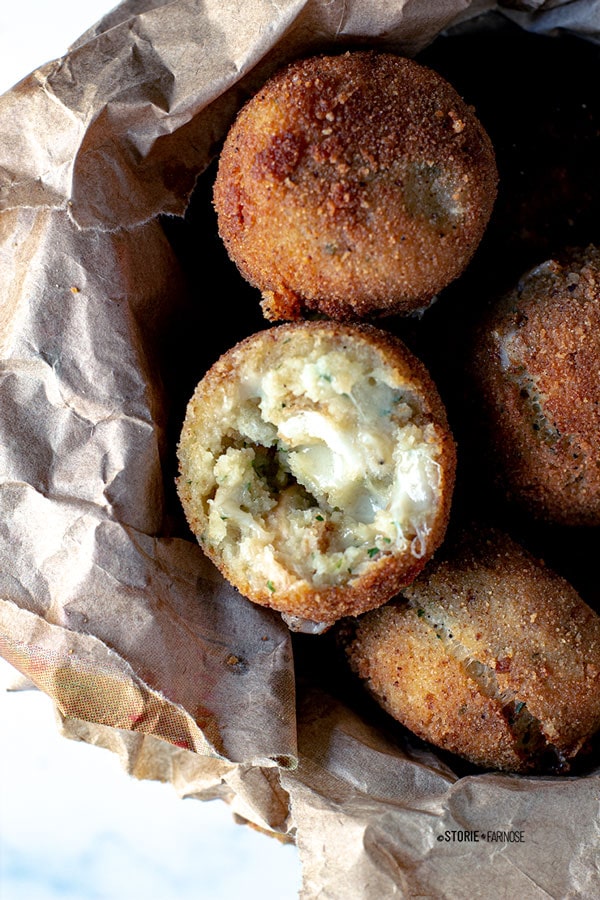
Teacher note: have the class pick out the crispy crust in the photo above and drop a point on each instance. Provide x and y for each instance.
(536, 365)
(354, 185)
(208, 419)
(488, 655)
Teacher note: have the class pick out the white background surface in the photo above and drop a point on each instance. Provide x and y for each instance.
(70, 817)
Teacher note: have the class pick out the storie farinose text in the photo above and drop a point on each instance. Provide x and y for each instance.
(476, 836)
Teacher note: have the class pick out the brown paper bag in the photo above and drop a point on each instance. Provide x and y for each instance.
(107, 604)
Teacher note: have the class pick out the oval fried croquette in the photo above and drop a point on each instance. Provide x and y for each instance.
(352, 186)
(317, 468)
(487, 654)
(536, 370)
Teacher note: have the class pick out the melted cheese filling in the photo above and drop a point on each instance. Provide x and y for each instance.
(327, 465)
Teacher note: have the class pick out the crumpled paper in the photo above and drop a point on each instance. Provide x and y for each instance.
(106, 602)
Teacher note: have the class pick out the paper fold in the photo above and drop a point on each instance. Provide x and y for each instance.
(106, 602)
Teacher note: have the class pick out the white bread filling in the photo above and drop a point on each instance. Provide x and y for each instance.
(327, 464)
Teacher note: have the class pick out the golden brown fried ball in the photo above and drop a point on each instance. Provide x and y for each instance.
(489, 655)
(537, 374)
(354, 185)
(317, 468)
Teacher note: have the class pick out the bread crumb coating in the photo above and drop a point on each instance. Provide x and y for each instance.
(489, 655)
(354, 186)
(317, 468)
(537, 375)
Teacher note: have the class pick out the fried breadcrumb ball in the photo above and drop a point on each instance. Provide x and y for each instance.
(353, 186)
(489, 655)
(536, 371)
(317, 468)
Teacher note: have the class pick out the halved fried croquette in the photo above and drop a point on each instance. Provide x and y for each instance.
(536, 371)
(489, 655)
(317, 468)
(354, 186)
